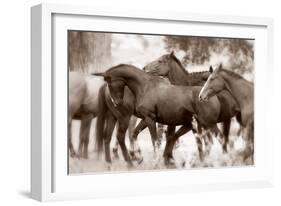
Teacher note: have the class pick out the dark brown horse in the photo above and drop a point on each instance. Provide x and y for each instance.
(108, 115)
(159, 101)
(243, 93)
(169, 66)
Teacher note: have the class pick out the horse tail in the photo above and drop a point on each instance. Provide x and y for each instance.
(101, 119)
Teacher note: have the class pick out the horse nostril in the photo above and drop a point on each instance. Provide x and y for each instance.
(120, 102)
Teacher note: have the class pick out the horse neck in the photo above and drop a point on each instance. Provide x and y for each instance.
(136, 80)
(197, 78)
(179, 76)
(241, 90)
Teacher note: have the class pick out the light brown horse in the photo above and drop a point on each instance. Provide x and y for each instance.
(243, 93)
(83, 105)
(85, 97)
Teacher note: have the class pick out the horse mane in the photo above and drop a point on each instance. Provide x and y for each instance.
(179, 64)
(120, 65)
(199, 73)
(150, 76)
(233, 74)
(185, 70)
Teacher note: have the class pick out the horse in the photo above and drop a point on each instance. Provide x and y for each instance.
(243, 93)
(159, 101)
(82, 105)
(108, 114)
(169, 66)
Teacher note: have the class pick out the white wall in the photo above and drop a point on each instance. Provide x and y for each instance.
(15, 83)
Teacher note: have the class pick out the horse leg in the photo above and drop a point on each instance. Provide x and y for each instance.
(226, 127)
(115, 149)
(70, 145)
(84, 135)
(123, 126)
(160, 131)
(134, 148)
(153, 133)
(170, 133)
(209, 140)
(168, 156)
(197, 130)
(199, 146)
(248, 135)
(136, 152)
(141, 126)
(110, 124)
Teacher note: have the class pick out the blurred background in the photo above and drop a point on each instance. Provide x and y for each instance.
(96, 52)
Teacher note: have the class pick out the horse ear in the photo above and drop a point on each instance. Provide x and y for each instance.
(172, 53)
(107, 78)
(211, 69)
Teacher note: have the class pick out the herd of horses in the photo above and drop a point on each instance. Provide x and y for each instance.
(163, 92)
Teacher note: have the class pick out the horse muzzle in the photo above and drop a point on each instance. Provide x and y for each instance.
(203, 98)
(119, 102)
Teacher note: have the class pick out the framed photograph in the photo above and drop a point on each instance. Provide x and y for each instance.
(138, 102)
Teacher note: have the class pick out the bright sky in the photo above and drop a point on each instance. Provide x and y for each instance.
(136, 49)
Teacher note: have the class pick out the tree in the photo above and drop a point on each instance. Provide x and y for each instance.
(199, 50)
(89, 51)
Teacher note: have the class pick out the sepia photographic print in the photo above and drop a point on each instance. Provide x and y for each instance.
(140, 102)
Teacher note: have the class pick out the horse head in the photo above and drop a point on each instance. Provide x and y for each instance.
(116, 87)
(213, 85)
(160, 66)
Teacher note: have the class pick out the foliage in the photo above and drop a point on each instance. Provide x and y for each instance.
(88, 51)
(200, 50)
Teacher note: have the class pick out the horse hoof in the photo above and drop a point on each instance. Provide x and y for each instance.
(183, 164)
(130, 165)
(82, 156)
(224, 149)
(108, 166)
(169, 162)
(140, 160)
(133, 155)
(74, 155)
(115, 153)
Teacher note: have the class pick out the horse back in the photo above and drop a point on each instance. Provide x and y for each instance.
(77, 91)
(90, 102)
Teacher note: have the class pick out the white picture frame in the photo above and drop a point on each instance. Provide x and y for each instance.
(49, 180)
